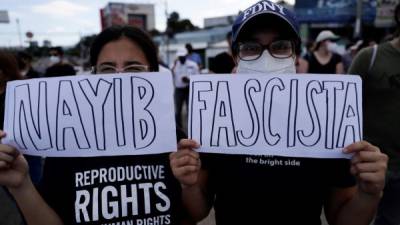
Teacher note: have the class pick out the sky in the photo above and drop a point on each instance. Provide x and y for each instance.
(63, 22)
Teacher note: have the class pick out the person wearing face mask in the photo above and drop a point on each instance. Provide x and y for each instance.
(59, 66)
(266, 189)
(25, 65)
(274, 55)
(137, 189)
(324, 60)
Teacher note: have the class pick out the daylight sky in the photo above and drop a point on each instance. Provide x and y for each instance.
(63, 22)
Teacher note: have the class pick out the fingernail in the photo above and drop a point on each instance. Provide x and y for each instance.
(345, 150)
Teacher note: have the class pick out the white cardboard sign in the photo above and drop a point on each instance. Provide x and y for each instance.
(286, 115)
(93, 115)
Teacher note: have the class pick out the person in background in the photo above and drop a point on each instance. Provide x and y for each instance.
(194, 56)
(27, 72)
(379, 68)
(323, 60)
(351, 52)
(25, 65)
(163, 66)
(301, 63)
(59, 65)
(309, 46)
(223, 62)
(8, 72)
(244, 192)
(9, 213)
(182, 69)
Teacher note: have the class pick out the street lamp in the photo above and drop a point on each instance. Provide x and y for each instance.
(19, 33)
(358, 25)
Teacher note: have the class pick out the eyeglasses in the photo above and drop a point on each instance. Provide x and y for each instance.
(280, 49)
(106, 69)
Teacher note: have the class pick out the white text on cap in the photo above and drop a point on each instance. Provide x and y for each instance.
(262, 6)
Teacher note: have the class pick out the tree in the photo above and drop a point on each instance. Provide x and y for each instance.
(154, 32)
(177, 25)
(82, 47)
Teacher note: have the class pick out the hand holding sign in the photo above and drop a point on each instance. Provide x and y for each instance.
(99, 115)
(369, 165)
(13, 166)
(289, 115)
(185, 163)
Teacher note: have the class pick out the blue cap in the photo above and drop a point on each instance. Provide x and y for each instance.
(263, 8)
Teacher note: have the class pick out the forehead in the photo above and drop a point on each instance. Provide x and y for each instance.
(264, 36)
(120, 51)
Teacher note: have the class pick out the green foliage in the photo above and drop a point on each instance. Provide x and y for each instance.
(177, 25)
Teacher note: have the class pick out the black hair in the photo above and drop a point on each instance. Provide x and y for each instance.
(267, 22)
(229, 35)
(397, 15)
(23, 58)
(318, 45)
(8, 68)
(297, 49)
(24, 55)
(58, 49)
(189, 47)
(397, 19)
(114, 33)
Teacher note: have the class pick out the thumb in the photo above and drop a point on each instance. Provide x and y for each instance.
(2, 134)
(187, 143)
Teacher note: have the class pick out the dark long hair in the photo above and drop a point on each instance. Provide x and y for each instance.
(397, 19)
(8, 68)
(141, 38)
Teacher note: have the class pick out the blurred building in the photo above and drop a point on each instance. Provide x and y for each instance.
(219, 21)
(137, 15)
(340, 16)
(33, 44)
(208, 42)
(313, 15)
(4, 18)
(47, 43)
(385, 12)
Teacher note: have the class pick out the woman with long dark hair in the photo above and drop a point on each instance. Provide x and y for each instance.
(323, 60)
(79, 190)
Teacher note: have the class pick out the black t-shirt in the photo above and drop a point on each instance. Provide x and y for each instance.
(314, 66)
(113, 190)
(32, 74)
(59, 69)
(272, 190)
(2, 108)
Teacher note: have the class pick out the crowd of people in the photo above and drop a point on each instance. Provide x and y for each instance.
(189, 184)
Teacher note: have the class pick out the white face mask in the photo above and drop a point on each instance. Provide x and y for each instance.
(55, 59)
(268, 65)
(331, 46)
(23, 72)
(335, 48)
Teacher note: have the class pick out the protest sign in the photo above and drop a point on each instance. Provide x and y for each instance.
(285, 115)
(94, 115)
